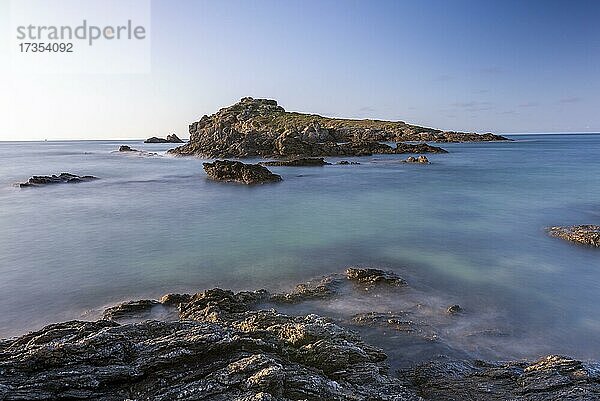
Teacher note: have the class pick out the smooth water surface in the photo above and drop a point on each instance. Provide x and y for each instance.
(468, 228)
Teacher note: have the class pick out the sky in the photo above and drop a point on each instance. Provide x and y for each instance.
(487, 66)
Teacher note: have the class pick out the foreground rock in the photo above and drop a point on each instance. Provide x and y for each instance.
(301, 162)
(228, 346)
(260, 127)
(549, 379)
(172, 138)
(582, 234)
(220, 350)
(233, 171)
(62, 178)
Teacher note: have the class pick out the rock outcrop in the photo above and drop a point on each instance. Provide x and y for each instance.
(586, 234)
(260, 127)
(62, 178)
(449, 136)
(234, 171)
(300, 162)
(171, 138)
(126, 149)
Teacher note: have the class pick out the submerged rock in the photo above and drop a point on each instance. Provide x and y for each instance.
(62, 178)
(346, 163)
(127, 148)
(373, 277)
(172, 138)
(301, 162)
(262, 128)
(324, 287)
(582, 234)
(227, 170)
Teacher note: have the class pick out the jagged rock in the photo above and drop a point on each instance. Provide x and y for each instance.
(582, 234)
(454, 309)
(175, 299)
(260, 127)
(301, 162)
(324, 287)
(418, 148)
(226, 170)
(220, 350)
(62, 178)
(373, 277)
(421, 159)
(548, 379)
(172, 138)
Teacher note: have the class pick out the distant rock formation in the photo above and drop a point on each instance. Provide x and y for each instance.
(260, 127)
(62, 178)
(172, 138)
(233, 171)
(583, 234)
(301, 162)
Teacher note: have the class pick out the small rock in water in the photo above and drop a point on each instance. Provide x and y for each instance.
(227, 170)
(586, 234)
(126, 148)
(346, 162)
(373, 277)
(454, 309)
(62, 178)
(421, 159)
(172, 138)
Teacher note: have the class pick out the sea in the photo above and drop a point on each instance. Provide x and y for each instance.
(469, 228)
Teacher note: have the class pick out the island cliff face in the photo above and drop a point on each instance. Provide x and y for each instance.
(260, 127)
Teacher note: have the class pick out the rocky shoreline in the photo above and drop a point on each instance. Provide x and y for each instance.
(262, 128)
(222, 345)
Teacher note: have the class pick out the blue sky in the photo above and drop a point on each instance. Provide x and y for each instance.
(505, 66)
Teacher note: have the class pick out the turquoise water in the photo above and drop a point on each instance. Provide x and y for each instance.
(468, 227)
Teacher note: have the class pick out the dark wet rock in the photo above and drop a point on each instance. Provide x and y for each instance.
(373, 277)
(62, 178)
(226, 170)
(127, 148)
(175, 299)
(300, 162)
(583, 234)
(449, 136)
(548, 379)
(220, 350)
(346, 163)
(421, 160)
(321, 288)
(262, 128)
(172, 138)
(130, 309)
(454, 309)
(418, 148)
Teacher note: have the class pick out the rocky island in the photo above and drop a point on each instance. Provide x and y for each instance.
(260, 127)
(222, 345)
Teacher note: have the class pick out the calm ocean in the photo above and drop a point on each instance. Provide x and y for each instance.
(468, 228)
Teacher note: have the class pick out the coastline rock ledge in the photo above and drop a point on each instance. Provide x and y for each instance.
(262, 128)
(234, 171)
